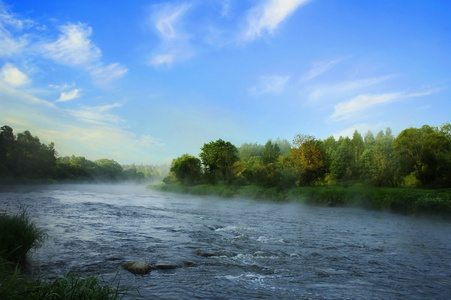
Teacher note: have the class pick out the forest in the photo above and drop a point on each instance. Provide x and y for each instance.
(416, 157)
(23, 158)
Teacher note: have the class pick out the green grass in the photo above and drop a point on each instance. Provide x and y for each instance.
(18, 235)
(411, 201)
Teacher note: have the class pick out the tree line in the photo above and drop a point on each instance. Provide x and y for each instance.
(24, 157)
(416, 157)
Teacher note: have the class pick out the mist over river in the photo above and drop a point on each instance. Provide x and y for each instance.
(212, 248)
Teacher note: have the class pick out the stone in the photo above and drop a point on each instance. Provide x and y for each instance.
(137, 267)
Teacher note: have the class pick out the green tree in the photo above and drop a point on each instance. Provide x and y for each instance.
(218, 158)
(108, 169)
(424, 153)
(187, 169)
(270, 153)
(309, 159)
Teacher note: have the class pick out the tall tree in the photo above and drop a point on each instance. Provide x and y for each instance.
(218, 158)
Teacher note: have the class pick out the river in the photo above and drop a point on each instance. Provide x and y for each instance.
(234, 248)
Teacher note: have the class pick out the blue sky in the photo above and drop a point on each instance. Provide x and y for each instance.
(147, 81)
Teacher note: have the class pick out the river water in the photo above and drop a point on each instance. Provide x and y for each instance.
(207, 248)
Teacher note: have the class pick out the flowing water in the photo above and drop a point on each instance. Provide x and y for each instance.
(207, 248)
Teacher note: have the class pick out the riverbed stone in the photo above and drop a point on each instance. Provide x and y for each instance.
(137, 267)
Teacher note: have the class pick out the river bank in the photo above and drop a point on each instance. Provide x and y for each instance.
(410, 201)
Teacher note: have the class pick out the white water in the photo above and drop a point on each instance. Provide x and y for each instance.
(235, 249)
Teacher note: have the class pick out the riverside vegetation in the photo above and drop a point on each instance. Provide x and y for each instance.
(409, 173)
(18, 235)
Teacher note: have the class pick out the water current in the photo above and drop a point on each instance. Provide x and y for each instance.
(208, 248)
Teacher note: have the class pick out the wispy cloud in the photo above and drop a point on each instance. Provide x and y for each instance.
(166, 21)
(274, 84)
(13, 76)
(105, 74)
(175, 45)
(97, 114)
(9, 43)
(265, 18)
(73, 47)
(319, 68)
(345, 110)
(67, 96)
(346, 86)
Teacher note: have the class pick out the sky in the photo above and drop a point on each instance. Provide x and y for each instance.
(146, 81)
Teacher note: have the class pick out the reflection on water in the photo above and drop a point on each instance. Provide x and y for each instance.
(210, 248)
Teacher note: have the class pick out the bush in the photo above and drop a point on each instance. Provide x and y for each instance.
(17, 236)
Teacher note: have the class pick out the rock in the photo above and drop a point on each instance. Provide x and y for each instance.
(137, 267)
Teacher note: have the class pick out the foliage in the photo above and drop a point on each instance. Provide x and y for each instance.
(186, 169)
(18, 234)
(23, 158)
(218, 158)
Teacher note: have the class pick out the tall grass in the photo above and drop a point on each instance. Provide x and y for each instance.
(18, 236)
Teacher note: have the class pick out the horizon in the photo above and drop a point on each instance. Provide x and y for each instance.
(145, 83)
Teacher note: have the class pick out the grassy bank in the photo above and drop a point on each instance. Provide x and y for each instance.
(18, 235)
(400, 200)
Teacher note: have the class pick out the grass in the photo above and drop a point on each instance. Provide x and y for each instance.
(18, 235)
(411, 201)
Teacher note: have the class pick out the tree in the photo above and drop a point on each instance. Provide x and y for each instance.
(424, 153)
(308, 159)
(271, 153)
(218, 158)
(186, 169)
(108, 169)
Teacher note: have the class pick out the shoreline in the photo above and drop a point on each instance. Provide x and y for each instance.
(406, 201)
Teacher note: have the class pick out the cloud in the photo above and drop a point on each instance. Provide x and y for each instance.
(266, 17)
(347, 86)
(69, 95)
(175, 44)
(73, 46)
(166, 20)
(161, 59)
(14, 76)
(104, 75)
(10, 44)
(344, 110)
(319, 68)
(97, 114)
(269, 85)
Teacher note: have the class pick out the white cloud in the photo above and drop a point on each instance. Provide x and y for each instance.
(10, 44)
(161, 59)
(266, 17)
(269, 85)
(347, 86)
(344, 110)
(319, 68)
(13, 76)
(104, 75)
(175, 45)
(97, 114)
(73, 46)
(166, 20)
(69, 95)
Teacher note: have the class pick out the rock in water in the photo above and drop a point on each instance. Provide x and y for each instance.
(137, 267)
